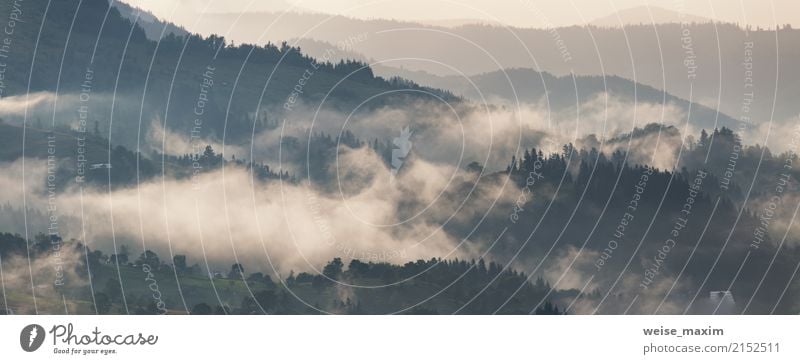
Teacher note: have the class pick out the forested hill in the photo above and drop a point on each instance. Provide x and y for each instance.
(87, 47)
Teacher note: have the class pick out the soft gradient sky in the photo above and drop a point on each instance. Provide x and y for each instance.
(524, 13)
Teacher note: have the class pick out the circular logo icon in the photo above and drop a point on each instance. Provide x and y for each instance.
(31, 337)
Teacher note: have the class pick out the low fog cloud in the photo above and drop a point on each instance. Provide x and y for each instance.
(295, 225)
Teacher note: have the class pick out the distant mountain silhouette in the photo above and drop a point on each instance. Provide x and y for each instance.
(646, 15)
(454, 23)
(560, 93)
(652, 55)
(527, 86)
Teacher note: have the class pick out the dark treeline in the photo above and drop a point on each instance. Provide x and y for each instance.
(181, 70)
(579, 199)
(577, 202)
(435, 286)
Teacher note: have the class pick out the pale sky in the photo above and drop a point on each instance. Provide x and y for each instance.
(523, 13)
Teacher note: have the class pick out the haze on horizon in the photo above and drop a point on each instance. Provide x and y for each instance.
(520, 13)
